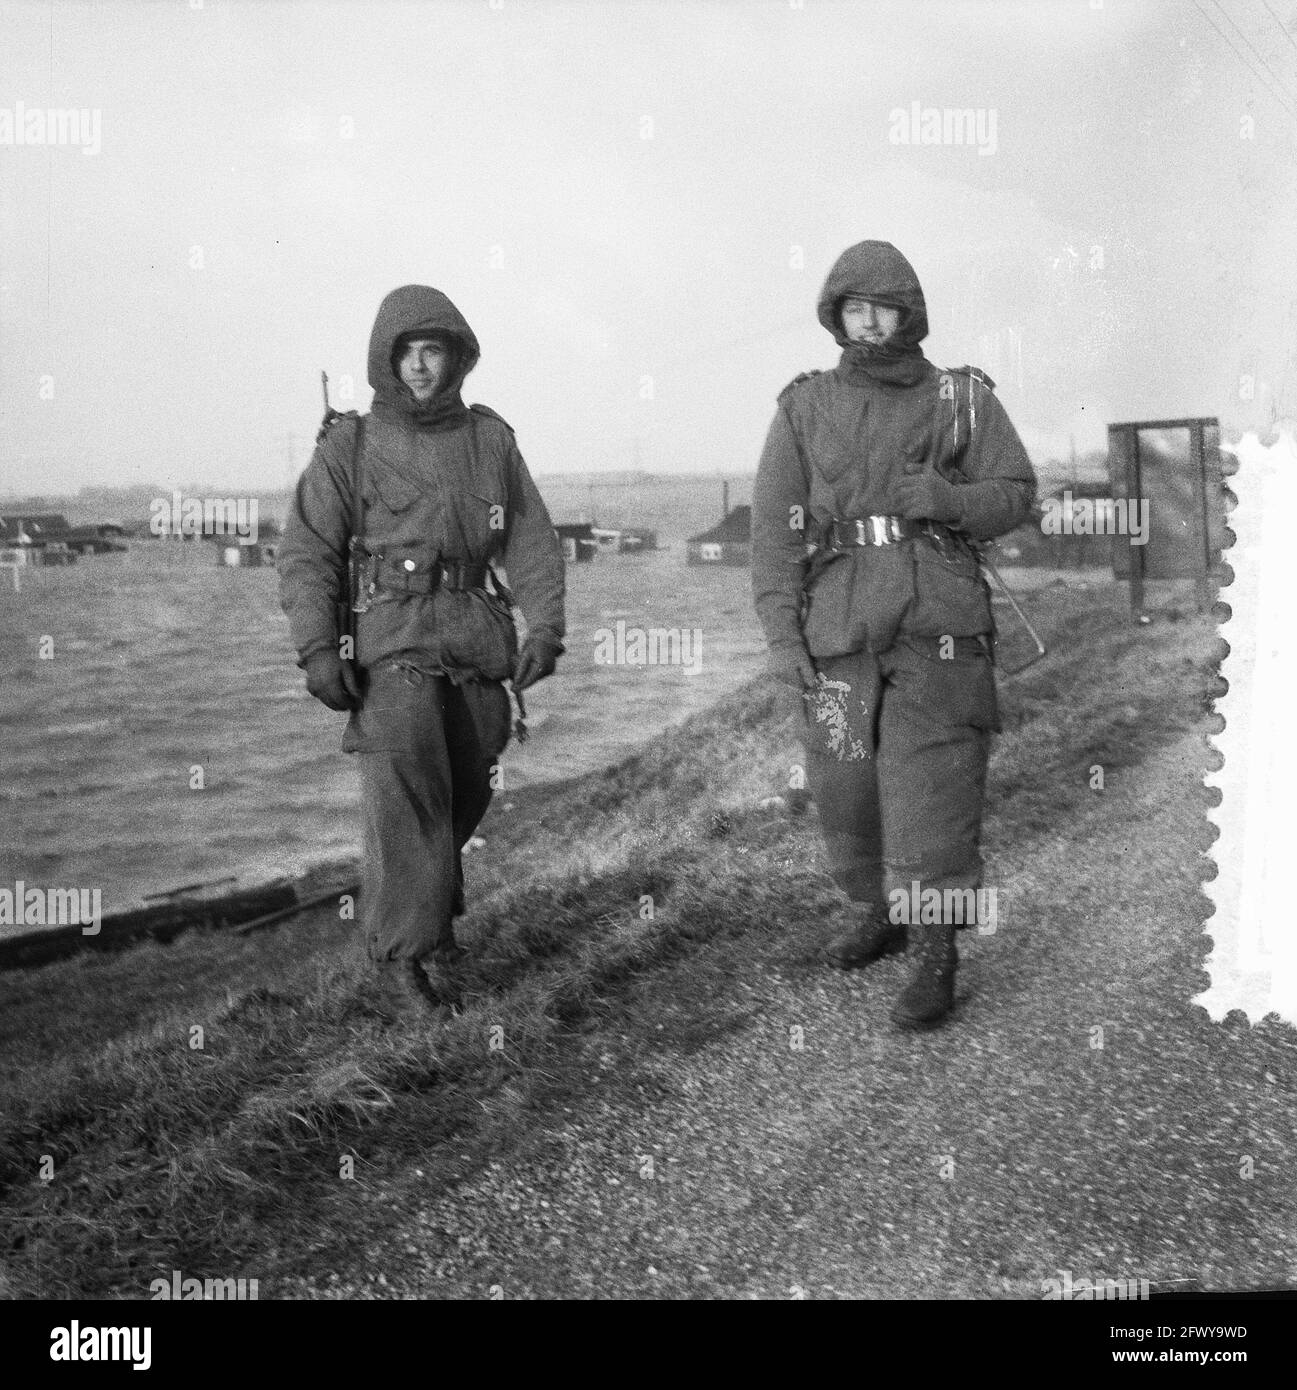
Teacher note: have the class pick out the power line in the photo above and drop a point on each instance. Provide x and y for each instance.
(1280, 23)
(1252, 47)
(1240, 56)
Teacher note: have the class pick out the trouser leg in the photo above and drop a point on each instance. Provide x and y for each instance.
(935, 724)
(425, 748)
(473, 716)
(406, 795)
(842, 772)
(935, 727)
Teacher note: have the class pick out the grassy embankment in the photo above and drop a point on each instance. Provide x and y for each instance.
(227, 1157)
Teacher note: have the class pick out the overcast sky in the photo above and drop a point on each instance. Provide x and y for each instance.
(635, 205)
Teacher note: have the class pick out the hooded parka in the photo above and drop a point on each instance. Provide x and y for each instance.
(839, 443)
(445, 493)
(442, 482)
(897, 735)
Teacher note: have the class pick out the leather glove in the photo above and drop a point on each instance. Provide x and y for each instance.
(927, 496)
(539, 655)
(790, 664)
(332, 681)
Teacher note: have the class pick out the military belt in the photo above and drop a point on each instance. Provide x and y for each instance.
(840, 534)
(385, 575)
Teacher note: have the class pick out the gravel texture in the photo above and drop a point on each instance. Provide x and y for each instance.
(978, 1160)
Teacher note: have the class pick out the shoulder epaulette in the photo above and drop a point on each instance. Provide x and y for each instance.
(977, 374)
(797, 381)
(486, 410)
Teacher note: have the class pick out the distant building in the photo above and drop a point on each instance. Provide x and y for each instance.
(625, 539)
(578, 541)
(636, 538)
(729, 542)
(97, 539)
(33, 528)
(40, 529)
(236, 556)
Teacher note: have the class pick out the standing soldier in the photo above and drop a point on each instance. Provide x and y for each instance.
(875, 478)
(443, 491)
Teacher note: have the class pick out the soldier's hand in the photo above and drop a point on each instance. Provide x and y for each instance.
(927, 496)
(791, 664)
(332, 681)
(537, 660)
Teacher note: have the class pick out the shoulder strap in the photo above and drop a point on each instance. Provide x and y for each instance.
(976, 374)
(357, 470)
(975, 377)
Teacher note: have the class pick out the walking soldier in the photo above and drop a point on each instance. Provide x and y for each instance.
(399, 515)
(876, 479)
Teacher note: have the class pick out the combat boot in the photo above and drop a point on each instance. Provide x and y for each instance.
(406, 996)
(930, 995)
(873, 935)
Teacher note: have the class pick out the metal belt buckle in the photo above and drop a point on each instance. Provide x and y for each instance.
(880, 527)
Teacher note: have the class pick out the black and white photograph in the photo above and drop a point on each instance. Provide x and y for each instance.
(644, 660)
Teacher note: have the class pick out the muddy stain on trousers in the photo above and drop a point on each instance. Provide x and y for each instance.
(896, 752)
(426, 748)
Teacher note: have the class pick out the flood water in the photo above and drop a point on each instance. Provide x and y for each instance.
(160, 662)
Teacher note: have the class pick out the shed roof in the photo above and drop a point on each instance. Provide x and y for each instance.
(737, 526)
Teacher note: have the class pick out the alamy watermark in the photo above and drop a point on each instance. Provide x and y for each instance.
(944, 125)
(40, 125)
(192, 1288)
(1096, 516)
(76, 1343)
(21, 906)
(178, 515)
(654, 646)
(928, 907)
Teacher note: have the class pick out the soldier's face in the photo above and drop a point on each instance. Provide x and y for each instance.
(863, 321)
(422, 365)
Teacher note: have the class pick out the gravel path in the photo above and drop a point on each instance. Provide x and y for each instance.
(975, 1161)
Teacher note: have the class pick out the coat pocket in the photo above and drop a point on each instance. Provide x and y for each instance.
(950, 595)
(477, 634)
(389, 492)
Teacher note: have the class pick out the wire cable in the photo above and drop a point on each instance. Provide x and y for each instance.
(1280, 23)
(1242, 58)
(1252, 48)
